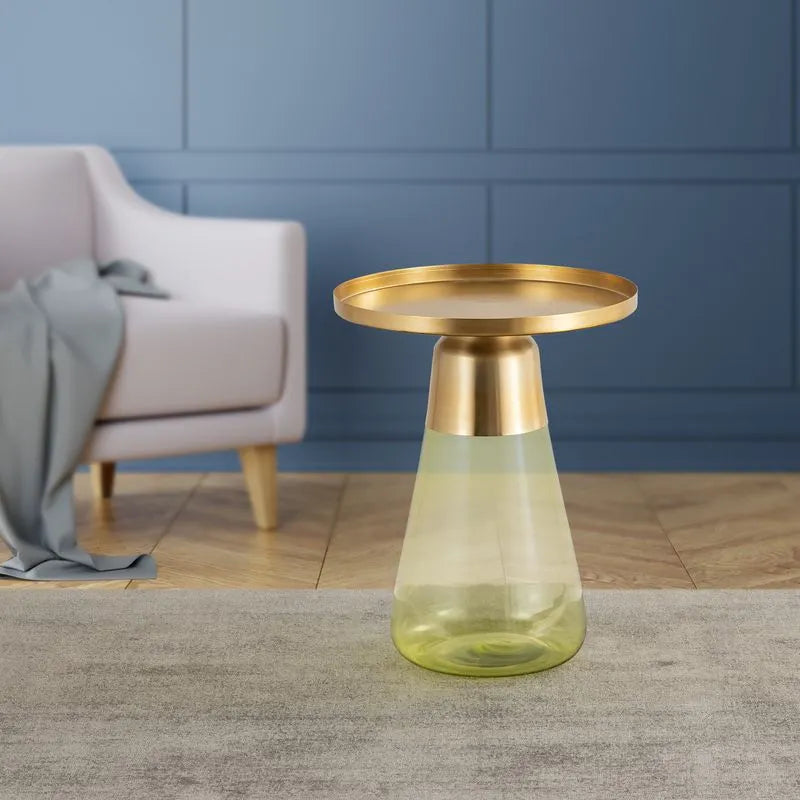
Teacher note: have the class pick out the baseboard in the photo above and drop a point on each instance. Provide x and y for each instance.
(572, 456)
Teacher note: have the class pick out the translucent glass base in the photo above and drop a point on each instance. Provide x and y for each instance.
(488, 630)
(488, 584)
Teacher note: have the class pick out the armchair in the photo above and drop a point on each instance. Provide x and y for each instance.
(222, 363)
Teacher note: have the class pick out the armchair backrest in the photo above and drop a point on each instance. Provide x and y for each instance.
(46, 214)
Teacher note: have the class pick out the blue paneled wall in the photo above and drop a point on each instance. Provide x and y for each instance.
(658, 139)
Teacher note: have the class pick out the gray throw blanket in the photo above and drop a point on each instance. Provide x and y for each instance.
(60, 336)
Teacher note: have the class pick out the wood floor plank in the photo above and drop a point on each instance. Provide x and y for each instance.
(131, 522)
(215, 543)
(366, 542)
(14, 583)
(618, 541)
(731, 530)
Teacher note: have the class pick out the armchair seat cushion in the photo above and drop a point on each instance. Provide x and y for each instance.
(182, 357)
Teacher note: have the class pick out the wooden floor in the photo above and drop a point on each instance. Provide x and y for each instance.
(345, 531)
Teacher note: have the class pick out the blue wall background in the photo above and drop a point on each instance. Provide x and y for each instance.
(655, 139)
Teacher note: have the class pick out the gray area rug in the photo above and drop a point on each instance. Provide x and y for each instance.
(242, 694)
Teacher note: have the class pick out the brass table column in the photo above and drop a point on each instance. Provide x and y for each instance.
(487, 584)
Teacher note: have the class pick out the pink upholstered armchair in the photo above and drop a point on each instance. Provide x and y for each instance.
(222, 363)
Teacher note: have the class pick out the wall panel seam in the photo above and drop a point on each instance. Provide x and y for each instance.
(793, 75)
(554, 151)
(793, 346)
(775, 182)
(753, 439)
(185, 74)
(489, 69)
(489, 223)
(740, 391)
(475, 168)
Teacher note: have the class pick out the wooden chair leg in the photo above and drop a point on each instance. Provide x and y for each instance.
(102, 473)
(260, 467)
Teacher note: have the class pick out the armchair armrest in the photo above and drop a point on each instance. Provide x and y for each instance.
(248, 263)
(253, 264)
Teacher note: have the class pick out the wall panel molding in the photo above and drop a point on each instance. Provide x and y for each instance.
(584, 74)
(713, 263)
(413, 77)
(625, 167)
(91, 71)
(578, 415)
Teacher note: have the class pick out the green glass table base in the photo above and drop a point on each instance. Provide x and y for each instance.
(488, 584)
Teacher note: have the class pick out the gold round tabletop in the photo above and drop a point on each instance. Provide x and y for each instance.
(486, 299)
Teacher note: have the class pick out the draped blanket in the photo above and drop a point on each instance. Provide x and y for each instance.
(60, 336)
